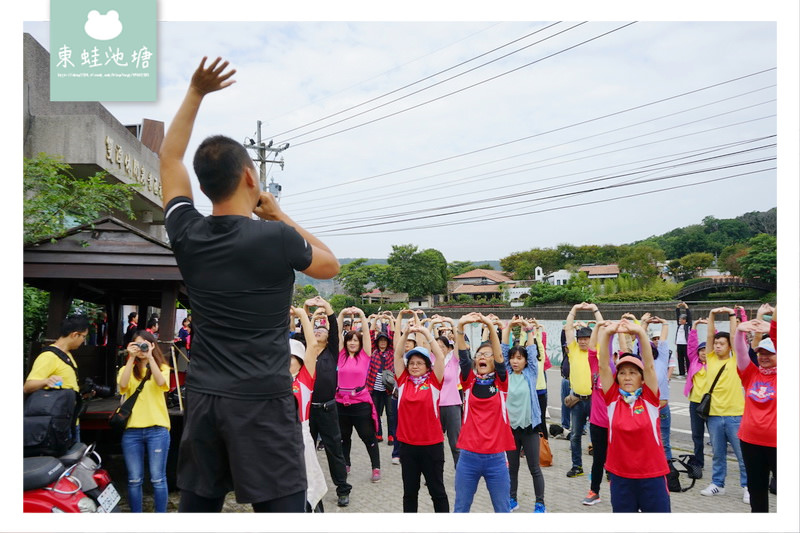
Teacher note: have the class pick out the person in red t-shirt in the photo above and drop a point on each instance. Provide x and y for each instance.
(758, 432)
(635, 459)
(303, 367)
(485, 434)
(419, 378)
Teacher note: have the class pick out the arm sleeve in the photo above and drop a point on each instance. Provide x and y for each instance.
(465, 361)
(533, 358)
(773, 333)
(740, 347)
(333, 334)
(178, 214)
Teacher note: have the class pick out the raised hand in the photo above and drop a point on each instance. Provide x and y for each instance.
(212, 78)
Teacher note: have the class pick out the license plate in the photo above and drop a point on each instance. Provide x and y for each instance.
(108, 499)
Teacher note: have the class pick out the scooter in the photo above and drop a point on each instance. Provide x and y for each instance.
(72, 483)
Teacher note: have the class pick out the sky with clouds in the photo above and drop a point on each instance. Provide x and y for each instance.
(482, 138)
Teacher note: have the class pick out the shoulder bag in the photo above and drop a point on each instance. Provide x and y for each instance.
(704, 406)
(118, 421)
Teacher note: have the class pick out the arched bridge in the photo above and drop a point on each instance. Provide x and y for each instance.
(722, 283)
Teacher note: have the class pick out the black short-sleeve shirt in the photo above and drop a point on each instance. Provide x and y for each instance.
(239, 273)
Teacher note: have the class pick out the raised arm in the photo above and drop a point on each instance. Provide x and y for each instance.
(650, 377)
(605, 330)
(740, 340)
(312, 350)
(174, 176)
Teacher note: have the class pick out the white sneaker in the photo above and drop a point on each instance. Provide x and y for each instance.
(713, 490)
(746, 495)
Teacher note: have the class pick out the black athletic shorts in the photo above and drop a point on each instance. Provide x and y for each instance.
(253, 447)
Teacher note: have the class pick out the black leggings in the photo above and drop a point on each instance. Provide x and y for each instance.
(542, 427)
(526, 439)
(429, 462)
(759, 461)
(358, 416)
(599, 436)
(192, 503)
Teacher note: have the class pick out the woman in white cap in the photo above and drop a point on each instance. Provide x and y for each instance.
(302, 366)
(419, 377)
(758, 430)
(635, 460)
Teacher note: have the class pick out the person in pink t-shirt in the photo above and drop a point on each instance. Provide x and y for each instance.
(450, 400)
(635, 461)
(353, 399)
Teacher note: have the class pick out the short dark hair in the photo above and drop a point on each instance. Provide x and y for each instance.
(132, 315)
(723, 335)
(218, 163)
(74, 323)
(514, 350)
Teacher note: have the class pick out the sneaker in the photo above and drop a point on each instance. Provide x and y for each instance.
(589, 450)
(539, 508)
(512, 505)
(575, 471)
(746, 495)
(347, 468)
(591, 498)
(320, 446)
(343, 501)
(390, 440)
(376, 475)
(395, 460)
(379, 437)
(712, 490)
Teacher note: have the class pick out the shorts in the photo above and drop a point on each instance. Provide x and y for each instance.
(253, 447)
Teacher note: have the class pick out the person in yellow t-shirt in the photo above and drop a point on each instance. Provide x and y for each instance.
(50, 371)
(727, 404)
(148, 426)
(580, 378)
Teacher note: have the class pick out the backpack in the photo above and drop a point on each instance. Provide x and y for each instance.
(48, 418)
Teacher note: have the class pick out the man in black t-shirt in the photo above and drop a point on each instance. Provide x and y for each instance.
(241, 429)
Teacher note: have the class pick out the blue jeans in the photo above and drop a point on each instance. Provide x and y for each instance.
(698, 429)
(136, 442)
(665, 417)
(565, 411)
(723, 430)
(580, 414)
(492, 467)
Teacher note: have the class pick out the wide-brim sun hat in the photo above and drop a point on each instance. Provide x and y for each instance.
(297, 349)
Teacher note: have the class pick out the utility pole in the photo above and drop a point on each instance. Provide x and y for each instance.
(261, 150)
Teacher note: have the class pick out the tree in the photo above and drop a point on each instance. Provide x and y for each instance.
(417, 273)
(696, 262)
(354, 277)
(303, 293)
(729, 258)
(55, 199)
(761, 260)
(455, 268)
(641, 260)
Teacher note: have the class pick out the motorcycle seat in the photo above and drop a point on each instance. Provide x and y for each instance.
(39, 472)
(74, 454)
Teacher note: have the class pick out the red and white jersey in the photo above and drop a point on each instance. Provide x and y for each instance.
(485, 427)
(418, 420)
(302, 387)
(634, 436)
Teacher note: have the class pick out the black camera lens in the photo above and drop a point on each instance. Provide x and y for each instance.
(144, 347)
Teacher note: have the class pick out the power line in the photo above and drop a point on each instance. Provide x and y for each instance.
(536, 191)
(646, 168)
(572, 141)
(465, 88)
(528, 137)
(420, 81)
(500, 217)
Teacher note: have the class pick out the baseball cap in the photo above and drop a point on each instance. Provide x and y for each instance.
(297, 348)
(767, 344)
(419, 350)
(701, 346)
